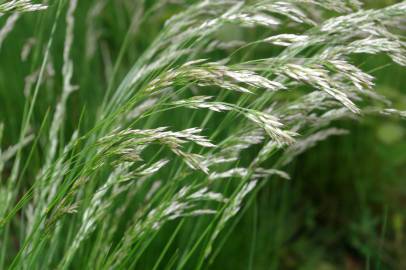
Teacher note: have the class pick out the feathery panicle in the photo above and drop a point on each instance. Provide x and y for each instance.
(67, 71)
(192, 121)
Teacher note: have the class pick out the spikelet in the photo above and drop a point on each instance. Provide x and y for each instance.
(243, 172)
(214, 74)
(127, 144)
(12, 150)
(395, 112)
(8, 27)
(318, 77)
(286, 39)
(183, 203)
(21, 6)
(287, 9)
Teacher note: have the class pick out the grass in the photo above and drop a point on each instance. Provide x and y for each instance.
(163, 134)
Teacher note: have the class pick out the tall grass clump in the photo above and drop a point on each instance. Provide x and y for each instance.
(140, 155)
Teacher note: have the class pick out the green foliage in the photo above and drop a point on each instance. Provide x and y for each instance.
(163, 134)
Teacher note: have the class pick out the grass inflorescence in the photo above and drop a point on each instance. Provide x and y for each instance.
(112, 148)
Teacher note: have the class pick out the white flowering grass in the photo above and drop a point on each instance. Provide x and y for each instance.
(167, 143)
